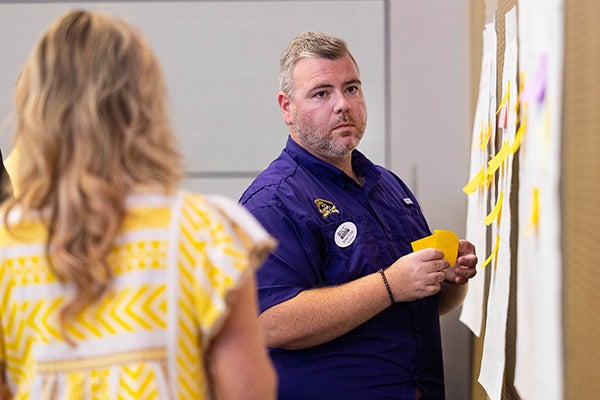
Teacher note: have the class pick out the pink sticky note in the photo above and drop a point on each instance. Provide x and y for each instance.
(535, 86)
(503, 117)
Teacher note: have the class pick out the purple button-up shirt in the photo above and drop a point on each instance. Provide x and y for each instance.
(331, 231)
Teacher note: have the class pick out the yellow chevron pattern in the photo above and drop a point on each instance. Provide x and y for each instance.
(191, 246)
(137, 382)
(100, 389)
(76, 385)
(210, 260)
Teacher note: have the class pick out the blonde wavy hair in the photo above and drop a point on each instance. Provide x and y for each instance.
(91, 126)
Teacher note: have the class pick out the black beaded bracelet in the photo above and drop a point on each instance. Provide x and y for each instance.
(387, 286)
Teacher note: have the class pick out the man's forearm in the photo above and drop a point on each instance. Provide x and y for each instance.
(319, 315)
(451, 296)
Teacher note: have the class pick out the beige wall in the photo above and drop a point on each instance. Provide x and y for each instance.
(430, 133)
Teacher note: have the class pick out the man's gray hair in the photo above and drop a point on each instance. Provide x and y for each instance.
(307, 45)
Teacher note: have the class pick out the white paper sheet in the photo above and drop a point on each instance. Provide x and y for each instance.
(493, 358)
(472, 308)
(539, 362)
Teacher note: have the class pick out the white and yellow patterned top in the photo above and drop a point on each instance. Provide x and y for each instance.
(174, 263)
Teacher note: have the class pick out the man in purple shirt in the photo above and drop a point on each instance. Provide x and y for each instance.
(349, 310)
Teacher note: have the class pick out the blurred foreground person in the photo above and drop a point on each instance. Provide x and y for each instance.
(5, 184)
(114, 283)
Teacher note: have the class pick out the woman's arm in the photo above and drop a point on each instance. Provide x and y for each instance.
(238, 359)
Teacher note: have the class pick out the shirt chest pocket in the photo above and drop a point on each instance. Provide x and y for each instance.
(354, 247)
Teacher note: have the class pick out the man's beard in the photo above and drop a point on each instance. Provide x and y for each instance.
(320, 140)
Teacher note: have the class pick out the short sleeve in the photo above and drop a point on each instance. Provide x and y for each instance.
(252, 236)
(221, 242)
(296, 263)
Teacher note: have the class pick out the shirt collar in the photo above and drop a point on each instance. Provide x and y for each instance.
(363, 167)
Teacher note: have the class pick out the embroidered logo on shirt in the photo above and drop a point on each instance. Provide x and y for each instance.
(326, 207)
(408, 201)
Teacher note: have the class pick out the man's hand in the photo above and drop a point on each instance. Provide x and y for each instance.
(464, 269)
(417, 275)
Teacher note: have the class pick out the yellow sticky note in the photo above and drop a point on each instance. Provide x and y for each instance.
(443, 240)
(496, 211)
(504, 99)
(495, 163)
(534, 218)
(494, 253)
(478, 180)
(519, 136)
(485, 135)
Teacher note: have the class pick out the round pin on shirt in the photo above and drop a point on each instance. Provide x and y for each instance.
(345, 234)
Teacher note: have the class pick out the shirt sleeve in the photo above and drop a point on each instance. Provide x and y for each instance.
(296, 263)
(225, 242)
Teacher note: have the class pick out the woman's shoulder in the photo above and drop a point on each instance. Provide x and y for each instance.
(232, 218)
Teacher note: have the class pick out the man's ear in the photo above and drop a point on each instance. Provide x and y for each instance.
(285, 104)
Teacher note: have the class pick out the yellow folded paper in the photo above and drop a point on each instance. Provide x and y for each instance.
(443, 240)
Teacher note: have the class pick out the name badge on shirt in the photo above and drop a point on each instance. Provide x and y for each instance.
(345, 234)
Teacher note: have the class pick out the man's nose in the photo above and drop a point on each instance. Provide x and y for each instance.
(341, 104)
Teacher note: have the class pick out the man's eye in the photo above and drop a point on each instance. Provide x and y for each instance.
(352, 89)
(320, 95)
